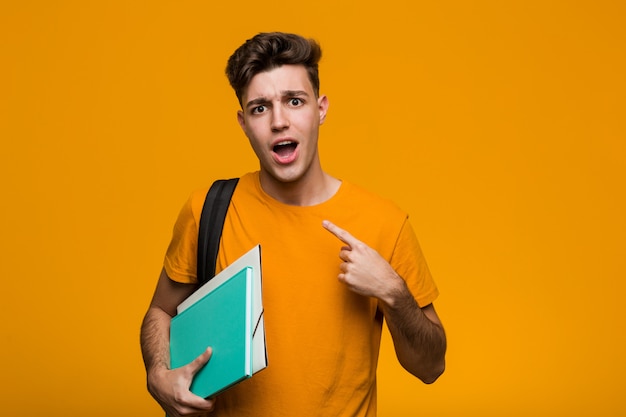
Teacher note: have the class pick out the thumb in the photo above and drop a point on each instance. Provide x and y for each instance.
(200, 361)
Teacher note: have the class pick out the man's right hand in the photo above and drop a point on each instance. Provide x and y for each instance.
(170, 387)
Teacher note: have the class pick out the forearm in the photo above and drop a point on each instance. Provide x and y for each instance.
(419, 341)
(155, 339)
(170, 387)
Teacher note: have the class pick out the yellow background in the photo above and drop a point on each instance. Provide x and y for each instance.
(498, 125)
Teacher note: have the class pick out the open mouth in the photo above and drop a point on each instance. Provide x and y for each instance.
(285, 149)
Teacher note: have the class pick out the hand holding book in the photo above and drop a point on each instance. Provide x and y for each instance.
(178, 381)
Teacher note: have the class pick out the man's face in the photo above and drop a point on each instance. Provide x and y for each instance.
(281, 118)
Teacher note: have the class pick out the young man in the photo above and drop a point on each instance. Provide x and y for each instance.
(336, 261)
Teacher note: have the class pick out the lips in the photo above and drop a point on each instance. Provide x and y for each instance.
(285, 151)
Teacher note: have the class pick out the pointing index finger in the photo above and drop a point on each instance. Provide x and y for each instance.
(341, 234)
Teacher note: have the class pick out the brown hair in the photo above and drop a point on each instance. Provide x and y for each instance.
(266, 51)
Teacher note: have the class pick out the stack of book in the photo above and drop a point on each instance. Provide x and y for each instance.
(226, 314)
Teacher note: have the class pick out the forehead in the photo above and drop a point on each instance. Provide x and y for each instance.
(274, 82)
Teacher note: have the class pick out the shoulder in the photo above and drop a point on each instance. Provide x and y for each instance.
(195, 202)
(196, 199)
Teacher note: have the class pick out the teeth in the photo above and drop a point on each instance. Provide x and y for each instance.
(283, 143)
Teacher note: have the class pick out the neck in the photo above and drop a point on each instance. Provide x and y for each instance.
(307, 191)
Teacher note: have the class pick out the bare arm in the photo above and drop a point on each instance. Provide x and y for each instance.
(418, 336)
(169, 387)
(417, 333)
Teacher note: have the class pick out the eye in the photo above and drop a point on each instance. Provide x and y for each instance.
(258, 109)
(295, 102)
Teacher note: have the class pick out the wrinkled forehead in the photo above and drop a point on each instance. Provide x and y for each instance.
(277, 82)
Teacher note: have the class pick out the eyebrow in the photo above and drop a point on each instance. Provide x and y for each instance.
(285, 93)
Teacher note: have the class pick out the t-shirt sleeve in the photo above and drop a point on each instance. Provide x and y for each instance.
(408, 261)
(181, 257)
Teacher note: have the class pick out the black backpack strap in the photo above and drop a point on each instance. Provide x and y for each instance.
(211, 225)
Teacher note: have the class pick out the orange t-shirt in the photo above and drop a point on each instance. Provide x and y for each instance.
(322, 339)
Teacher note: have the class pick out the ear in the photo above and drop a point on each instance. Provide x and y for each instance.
(241, 120)
(322, 104)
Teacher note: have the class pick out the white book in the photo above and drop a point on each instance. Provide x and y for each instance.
(251, 259)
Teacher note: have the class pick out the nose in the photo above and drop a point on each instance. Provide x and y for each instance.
(279, 121)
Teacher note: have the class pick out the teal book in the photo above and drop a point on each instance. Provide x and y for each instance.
(251, 259)
(223, 319)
